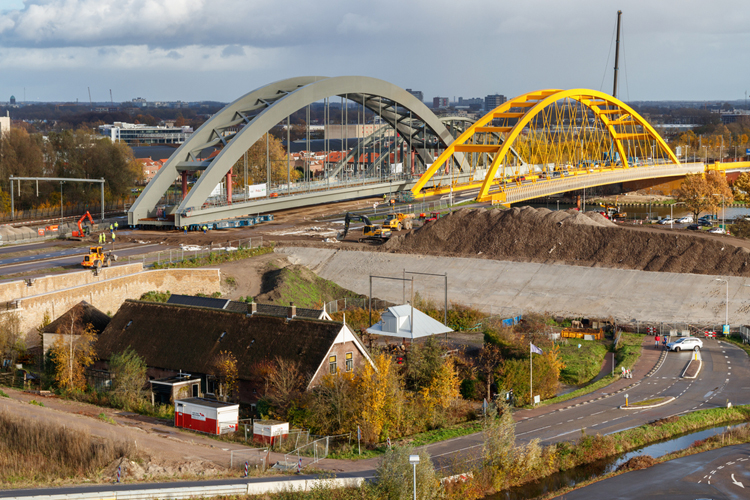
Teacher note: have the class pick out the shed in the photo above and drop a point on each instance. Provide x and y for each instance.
(268, 431)
(168, 389)
(397, 322)
(206, 415)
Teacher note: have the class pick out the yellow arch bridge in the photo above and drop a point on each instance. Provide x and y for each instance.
(554, 141)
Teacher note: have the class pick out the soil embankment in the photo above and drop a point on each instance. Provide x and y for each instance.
(569, 237)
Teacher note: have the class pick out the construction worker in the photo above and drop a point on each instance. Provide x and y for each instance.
(111, 228)
(205, 228)
(116, 225)
(185, 229)
(384, 197)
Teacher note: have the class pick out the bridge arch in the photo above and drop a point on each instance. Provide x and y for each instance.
(600, 125)
(260, 110)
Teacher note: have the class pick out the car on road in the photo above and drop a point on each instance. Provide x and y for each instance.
(686, 344)
(704, 223)
(716, 230)
(688, 219)
(667, 220)
(693, 227)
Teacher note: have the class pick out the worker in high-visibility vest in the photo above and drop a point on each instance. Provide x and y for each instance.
(205, 228)
(184, 229)
(116, 225)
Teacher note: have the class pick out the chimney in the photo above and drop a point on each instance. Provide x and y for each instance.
(252, 308)
(292, 311)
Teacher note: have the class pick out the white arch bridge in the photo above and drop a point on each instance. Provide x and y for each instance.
(534, 145)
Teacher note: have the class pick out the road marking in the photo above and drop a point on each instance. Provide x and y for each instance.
(720, 467)
(597, 413)
(738, 483)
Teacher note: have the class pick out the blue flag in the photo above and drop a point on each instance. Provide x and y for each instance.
(535, 349)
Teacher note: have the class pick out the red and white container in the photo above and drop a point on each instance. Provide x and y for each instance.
(268, 431)
(206, 415)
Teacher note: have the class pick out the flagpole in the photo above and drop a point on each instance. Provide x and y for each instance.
(531, 375)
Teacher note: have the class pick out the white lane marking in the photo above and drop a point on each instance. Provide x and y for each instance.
(738, 483)
(597, 413)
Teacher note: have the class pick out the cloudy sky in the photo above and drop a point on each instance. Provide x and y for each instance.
(220, 49)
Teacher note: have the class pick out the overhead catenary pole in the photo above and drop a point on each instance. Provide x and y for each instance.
(617, 53)
(531, 375)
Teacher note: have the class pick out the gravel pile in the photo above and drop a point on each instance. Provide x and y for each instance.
(539, 235)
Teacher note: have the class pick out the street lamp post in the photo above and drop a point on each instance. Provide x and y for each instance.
(414, 460)
(705, 154)
(671, 214)
(725, 329)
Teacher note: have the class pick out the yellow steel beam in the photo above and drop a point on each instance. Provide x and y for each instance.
(476, 148)
(493, 129)
(509, 115)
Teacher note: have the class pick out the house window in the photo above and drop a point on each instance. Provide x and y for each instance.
(349, 362)
(332, 364)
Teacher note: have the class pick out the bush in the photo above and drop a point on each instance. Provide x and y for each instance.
(395, 476)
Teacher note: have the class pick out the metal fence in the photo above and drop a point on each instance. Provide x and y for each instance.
(193, 252)
(69, 210)
(254, 457)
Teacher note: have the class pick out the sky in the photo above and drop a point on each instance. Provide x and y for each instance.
(196, 50)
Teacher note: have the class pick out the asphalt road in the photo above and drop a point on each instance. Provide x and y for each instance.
(67, 257)
(722, 364)
(717, 474)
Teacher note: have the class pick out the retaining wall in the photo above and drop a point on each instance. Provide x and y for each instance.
(500, 287)
(107, 295)
(12, 290)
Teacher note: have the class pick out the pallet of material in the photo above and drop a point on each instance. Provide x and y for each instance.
(580, 333)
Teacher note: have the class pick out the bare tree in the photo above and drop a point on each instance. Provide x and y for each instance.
(286, 383)
(489, 357)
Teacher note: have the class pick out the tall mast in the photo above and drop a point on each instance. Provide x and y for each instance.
(617, 53)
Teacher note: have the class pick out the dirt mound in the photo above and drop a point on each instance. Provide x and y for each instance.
(540, 235)
(299, 285)
(639, 462)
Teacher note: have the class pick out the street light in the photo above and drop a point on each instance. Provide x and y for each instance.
(725, 328)
(723, 214)
(414, 460)
(671, 215)
(705, 154)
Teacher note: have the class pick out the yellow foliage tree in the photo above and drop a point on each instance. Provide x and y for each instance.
(702, 193)
(225, 366)
(72, 355)
(443, 389)
(741, 188)
(381, 399)
(258, 160)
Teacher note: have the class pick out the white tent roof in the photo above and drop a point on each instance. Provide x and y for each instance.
(396, 322)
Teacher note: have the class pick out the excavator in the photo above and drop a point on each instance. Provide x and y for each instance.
(82, 233)
(370, 231)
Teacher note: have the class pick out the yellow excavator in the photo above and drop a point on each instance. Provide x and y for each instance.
(370, 231)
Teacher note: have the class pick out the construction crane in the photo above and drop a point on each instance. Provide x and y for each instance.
(82, 232)
(370, 231)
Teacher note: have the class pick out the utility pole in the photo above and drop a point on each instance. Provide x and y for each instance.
(617, 53)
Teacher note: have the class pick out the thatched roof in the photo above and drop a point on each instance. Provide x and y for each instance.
(187, 338)
(87, 314)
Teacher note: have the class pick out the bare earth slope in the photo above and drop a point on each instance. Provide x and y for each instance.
(539, 235)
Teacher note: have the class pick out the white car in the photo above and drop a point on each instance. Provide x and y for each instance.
(686, 344)
(666, 220)
(717, 230)
(688, 219)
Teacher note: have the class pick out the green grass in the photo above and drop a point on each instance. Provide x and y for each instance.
(103, 416)
(737, 340)
(581, 365)
(647, 402)
(443, 434)
(628, 352)
(3, 394)
(215, 258)
(35, 402)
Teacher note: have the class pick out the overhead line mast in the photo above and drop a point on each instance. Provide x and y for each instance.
(617, 53)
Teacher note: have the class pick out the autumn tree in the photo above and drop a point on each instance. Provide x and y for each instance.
(11, 342)
(423, 362)
(741, 188)
(333, 403)
(225, 370)
(285, 385)
(702, 193)
(128, 371)
(381, 398)
(258, 163)
(489, 358)
(395, 476)
(73, 352)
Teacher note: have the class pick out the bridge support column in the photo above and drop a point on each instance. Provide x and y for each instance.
(229, 187)
(183, 174)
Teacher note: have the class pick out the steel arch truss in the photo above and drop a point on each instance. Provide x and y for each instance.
(556, 132)
(240, 124)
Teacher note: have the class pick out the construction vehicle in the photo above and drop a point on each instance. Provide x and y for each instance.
(613, 211)
(432, 217)
(83, 232)
(370, 231)
(399, 221)
(97, 258)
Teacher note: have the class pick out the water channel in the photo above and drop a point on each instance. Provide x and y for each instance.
(584, 472)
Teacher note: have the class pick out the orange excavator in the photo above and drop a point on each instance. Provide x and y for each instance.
(83, 232)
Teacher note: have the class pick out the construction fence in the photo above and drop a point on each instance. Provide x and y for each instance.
(193, 252)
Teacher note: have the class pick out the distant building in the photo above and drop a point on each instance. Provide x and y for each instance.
(131, 133)
(4, 124)
(416, 93)
(493, 101)
(439, 102)
(735, 116)
(333, 131)
(149, 167)
(139, 102)
(12, 100)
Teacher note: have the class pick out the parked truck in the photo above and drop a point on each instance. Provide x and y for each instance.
(399, 221)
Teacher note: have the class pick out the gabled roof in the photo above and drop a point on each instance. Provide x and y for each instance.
(88, 315)
(184, 338)
(396, 322)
